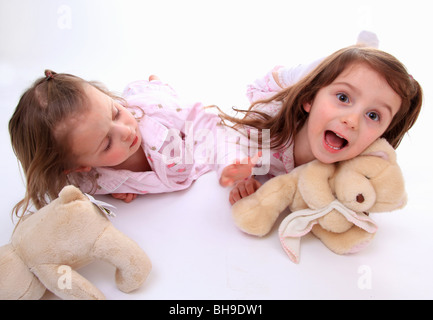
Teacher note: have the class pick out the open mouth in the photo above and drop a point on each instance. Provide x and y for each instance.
(334, 140)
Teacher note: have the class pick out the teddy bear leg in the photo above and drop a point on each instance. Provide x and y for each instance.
(351, 241)
(257, 213)
(132, 264)
(35, 291)
(66, 283)
(16, 280)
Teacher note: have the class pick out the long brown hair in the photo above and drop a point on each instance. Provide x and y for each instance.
(292, 116)
(44, 155)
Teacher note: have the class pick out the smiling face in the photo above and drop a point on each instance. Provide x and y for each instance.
(105, 135)
(346, 116)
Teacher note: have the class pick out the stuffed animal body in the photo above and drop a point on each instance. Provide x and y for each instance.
(336, 200)
(66, 234)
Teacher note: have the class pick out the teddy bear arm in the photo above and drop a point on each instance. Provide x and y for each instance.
(278, 191)
(257, 213)
(66, 283)
(314, 184)
(132, 264)
(334, 221)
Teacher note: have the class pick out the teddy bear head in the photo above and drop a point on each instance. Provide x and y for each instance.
(338, 198)
(372, 182)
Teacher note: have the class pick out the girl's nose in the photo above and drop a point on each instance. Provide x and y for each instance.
(351, 120)
(124, 132)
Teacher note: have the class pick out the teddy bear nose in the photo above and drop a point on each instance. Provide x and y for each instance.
(360, 198)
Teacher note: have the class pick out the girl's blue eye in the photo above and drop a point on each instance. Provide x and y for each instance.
(342, 97)
(373, 116)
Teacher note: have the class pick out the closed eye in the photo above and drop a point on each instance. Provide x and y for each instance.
(108, 144)
(118, 114)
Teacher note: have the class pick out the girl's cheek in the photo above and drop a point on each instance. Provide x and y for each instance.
(115, 155)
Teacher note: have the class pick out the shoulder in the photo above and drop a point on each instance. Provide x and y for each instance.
(263, 88)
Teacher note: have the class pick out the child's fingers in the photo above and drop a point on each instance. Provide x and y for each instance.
(249, 161)
(234, 196)
(232, 199)
(243, 168)
(239, 176)
(129, 197)
(233, 173)
(254, 160)
(243, 189)
(239, 170)
(226, 182)
(251, 185)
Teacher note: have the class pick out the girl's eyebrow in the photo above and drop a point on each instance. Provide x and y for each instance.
(352, 87)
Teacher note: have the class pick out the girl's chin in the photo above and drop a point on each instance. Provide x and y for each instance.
(328, 157)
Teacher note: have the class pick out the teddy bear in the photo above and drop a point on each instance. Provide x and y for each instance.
(333, 201)
(48, 246)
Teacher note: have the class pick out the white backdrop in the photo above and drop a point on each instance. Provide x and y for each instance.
(209, 51)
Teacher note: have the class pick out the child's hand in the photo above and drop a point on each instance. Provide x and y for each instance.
(237, 171)
(243, 189)
(127, 197)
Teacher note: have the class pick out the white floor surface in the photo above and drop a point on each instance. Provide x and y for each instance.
(209, 51)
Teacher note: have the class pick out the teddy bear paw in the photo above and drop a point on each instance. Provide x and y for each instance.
(335, 222)
(252, 217)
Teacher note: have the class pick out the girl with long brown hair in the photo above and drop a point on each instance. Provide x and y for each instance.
(348, 100)
(66, 130)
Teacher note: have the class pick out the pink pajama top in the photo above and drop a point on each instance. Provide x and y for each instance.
(281, 161)
(163, 122)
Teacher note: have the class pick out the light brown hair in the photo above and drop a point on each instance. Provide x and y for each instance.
(44, 155)
(292, 116)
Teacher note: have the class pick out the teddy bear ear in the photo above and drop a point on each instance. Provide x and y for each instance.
(381, 149)
(71, 193)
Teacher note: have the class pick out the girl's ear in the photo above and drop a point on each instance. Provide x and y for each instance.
(79, 169)
(307, 106)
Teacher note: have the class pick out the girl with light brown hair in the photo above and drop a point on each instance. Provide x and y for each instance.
(66, 130)
(331, 113)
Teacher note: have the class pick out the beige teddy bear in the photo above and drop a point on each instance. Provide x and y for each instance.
(48, 245)
(331, 200)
